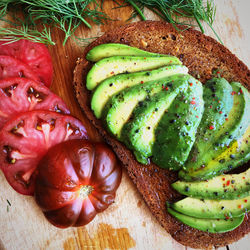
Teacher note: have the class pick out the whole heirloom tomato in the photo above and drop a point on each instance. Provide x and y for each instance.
(76, 180)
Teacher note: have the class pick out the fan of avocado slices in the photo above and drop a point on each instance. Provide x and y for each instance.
(148, 100)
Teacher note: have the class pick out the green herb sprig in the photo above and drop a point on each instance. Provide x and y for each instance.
(173, 10)
(38, 15)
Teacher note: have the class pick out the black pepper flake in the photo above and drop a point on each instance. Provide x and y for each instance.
(232, 181)
(170, 84)
(172, 121)
(137, 130)
(186, 189)
(187, 123)
(230, 137)
(148, 73)
(222, 161)
(148, 127)
(222, 208)
(230, 166)
(140, 104)
(156, 109)
(216, 193)
(232, 156)
(226, 133)
(111, 84)
(213, 95)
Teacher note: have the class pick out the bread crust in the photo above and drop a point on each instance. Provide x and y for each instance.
(202, 55)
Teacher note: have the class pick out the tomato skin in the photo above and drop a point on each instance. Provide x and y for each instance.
(26, 138)
(76, 180)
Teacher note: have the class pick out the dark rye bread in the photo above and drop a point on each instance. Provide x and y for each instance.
(202, 55)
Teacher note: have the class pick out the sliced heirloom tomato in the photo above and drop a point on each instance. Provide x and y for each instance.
(76, 180)
(11, 67)
(36, 55)
(22, 94)
(26, 138)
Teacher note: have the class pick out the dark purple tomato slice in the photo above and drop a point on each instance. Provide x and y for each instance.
(26, 138)
(36, 55)
(11, 67)
(22, 94)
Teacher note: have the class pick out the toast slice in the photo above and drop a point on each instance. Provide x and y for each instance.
(203, 56)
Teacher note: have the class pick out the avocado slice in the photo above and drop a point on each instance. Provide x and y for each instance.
(175, 133)
(212, 209)
(228, 187)
(116, 49)
(235, 155)
(208, 225)
(218, 103)
(114, 65)
(113, 85)
(139, 132)
(228, 147)
(120, 106)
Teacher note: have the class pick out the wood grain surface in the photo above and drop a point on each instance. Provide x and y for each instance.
(127, 224)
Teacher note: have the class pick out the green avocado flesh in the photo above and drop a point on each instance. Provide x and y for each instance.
(115, 49)
(228, 186)
(228, 145)
(139, 132)
(113, 85)
(208, 225)
(111, 66)
(119, 108)
(212, 209)
(165, 116)
(175, 133)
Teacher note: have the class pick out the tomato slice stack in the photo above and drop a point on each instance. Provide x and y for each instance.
(35, 55)
(32, 118)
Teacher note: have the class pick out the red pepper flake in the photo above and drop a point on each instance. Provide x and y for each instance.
(210, 106)
(162, 86)
(241, 91)
(226, 119)
(144, 57)
(228, 183)
(220, 112)
(223, 179)
(166, 88)
(193, 102)
(218, 72)
(233, 93)
(226, 217)
(191, 84)
(240, 206)
(245, 201)
(211, 127)
(243, 177)
(142, 82)
(112, 72)
(197, 116)
(218, 101)
(193, 98)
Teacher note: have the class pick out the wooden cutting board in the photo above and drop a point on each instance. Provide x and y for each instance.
(127, 224)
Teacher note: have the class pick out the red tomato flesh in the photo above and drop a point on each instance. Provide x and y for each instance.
(76, 180)
(26, 138)
(35, 55)
(11, 67)
(22, 94)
